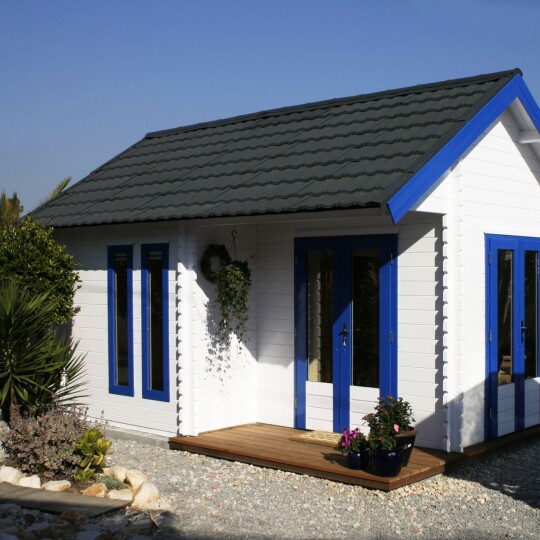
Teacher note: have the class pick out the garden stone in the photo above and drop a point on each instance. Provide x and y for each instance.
(56, 485)
(30, 481)
(10, 475)
(135, 478)
(117, 472)
(95, 490)
(7, 536)
(120, 494)
(147, 493)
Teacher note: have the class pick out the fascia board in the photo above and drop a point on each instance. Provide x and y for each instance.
(425, 178)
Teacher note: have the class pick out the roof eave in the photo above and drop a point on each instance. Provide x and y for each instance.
(424, 179)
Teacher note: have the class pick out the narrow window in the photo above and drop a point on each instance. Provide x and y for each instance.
(120, 314)
(155, 327)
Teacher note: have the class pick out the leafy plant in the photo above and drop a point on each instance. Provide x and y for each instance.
(233, 287)
(43, 445)
(37, 366)
(92, 448)
(31, 256)
(352, 441)
(110, 482)
(391, 417)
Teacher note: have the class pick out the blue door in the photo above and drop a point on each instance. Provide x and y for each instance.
(345, 327)
(513, 383)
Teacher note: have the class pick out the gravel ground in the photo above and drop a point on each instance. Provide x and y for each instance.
(498, 497)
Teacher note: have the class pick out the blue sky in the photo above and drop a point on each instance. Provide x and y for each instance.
(82, 81)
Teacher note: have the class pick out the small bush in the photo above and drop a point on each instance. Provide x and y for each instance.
(91, 449)
(110, 482)
(44, 445)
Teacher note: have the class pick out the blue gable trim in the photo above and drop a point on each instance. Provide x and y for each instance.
(426, 177)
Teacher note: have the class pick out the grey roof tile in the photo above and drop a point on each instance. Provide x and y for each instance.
(345, 153)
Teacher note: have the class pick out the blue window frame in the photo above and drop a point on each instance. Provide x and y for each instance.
(155, 321)
(341, 251)
(120, 319)
(513, 322)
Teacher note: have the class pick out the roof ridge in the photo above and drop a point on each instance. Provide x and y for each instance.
(337, 102)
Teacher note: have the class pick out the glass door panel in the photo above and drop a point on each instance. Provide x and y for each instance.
(530, 326)
(365, 317)
(505, 311)
(320, 315)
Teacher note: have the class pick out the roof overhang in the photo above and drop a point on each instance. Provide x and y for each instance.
(419, 184)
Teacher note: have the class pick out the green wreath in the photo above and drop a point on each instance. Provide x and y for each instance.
(212, 252)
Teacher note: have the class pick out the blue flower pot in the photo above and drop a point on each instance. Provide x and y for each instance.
(358, 460)
(387, 462)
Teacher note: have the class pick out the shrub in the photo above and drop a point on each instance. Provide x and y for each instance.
(110, 482)
(37, 366)
(91, 450)
(44, 445)
(30, 255)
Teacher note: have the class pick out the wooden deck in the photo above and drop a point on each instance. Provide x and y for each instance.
(57, 502)
(270, 446)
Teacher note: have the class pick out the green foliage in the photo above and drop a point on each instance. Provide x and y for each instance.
(391, 417)
(43, 445)
(37, 366)
(31, 256)
(110, 482)
(233, 287)
(91, 449)
(10, 209)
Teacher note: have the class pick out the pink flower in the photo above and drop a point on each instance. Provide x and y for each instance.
(396, 428)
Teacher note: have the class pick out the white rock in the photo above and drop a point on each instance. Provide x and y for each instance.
(10, 475)
(30, 481)
(135, 478)
(120, 494)
(117, 472)
(56, 485)
(95, 490)
(147, 493)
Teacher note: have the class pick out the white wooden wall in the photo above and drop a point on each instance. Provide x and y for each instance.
(90, 326)
(493, 190)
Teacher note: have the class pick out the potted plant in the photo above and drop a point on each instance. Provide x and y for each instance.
(354, 445)
(396, 412)
(386, 458)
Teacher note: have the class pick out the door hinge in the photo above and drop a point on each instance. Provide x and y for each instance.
(489, 257)
(296, 260)
(391, 337)
(490, 336)
(391, 258)
(490, 413)
(295, 403)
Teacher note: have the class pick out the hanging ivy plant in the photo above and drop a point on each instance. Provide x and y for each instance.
(233, 282)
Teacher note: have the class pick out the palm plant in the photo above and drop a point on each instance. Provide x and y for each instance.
(37, 365)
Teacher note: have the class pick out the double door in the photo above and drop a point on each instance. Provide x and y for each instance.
(513, 383)
(345, 328)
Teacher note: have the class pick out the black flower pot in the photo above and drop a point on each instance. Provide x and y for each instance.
(358, 460)
(386, 462)
(405, 441)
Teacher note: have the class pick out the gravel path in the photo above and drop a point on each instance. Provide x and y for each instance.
(498, 497)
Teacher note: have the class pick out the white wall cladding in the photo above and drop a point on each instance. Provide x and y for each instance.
(90, 326)
(500, 195)
(225, 381)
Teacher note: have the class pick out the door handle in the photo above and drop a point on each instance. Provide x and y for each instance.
(344, 332)
(523, 330)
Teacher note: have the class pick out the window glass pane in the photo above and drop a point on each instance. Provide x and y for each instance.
(155, 293)
(121, 317)
(531, 314)
(365, 313)
(320, 316)
(505, 314)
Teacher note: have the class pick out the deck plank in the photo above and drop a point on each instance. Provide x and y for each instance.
(57, 502)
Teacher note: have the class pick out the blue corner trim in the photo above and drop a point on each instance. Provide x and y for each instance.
(425, 178)
(124, 390)
(147, 392)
